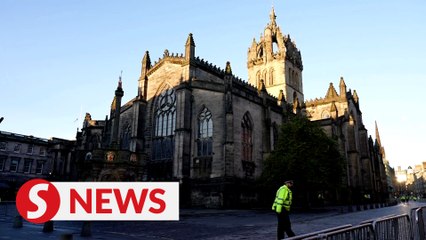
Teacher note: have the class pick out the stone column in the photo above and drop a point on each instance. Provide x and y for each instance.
(182, 148)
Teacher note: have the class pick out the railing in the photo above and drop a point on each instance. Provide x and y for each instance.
(395, 228)
(313, 234)
(391, 227)
(418, 223)
(360, 232)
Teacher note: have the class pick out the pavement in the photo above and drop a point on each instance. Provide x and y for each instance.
(210, 224)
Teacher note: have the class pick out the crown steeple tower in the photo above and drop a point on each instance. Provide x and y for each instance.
(115, 112)
(276, 61)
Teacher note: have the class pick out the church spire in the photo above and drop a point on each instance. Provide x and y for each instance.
(190, 47)
(143, 80)
(146, 64)
(377, 134)
(272, 16)
(342, 86)
(331, 92)
(356, 98)
(116, 111)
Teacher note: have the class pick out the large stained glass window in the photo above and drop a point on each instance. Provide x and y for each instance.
(164, 125)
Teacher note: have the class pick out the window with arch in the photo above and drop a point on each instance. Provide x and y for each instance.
(126, 134)
(271, 76)
(325, 114)
(264, 76)
(205, 133)
(164, 125)
(260, 52)
(246, 138)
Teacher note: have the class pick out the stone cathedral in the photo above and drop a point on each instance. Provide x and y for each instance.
(198, 124)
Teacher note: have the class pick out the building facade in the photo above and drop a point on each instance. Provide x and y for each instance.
(340, 116)
(198, 124)
(25, 157)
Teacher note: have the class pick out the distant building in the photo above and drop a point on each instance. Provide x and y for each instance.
(25, 157)
(412, 180)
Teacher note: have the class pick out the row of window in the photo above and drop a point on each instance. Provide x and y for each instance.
(17, 148)
(165, 124)
(268, 79)
(16, 162)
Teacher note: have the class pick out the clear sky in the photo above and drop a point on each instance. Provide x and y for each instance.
(61, 59)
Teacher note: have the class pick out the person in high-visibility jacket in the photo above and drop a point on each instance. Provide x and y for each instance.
(282, 206)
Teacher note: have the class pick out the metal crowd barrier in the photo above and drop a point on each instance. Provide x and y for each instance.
(418, 223)
(391, 227)
(374, 219)
(313, 234)
(360, 232)
(395, 228)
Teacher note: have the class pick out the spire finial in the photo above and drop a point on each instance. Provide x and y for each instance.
(119, 79)
(228, 69)
(272, 15)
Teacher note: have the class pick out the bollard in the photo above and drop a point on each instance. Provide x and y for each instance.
(66, 236)
(86, 229)
(48, 226)
(17, 222)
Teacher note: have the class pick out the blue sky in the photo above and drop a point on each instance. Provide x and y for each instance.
(61, 59)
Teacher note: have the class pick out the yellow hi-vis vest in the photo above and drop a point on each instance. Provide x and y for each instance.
(283, 198)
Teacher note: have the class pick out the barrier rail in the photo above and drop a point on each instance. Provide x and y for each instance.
(395, 228)
(390, 227)
(360, 232)
(312, 234)
(418, 223)
(374, 219)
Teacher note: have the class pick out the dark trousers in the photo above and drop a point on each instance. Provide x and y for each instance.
(284, 225)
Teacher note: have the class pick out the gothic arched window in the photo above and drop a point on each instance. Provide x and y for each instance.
(264, 76)
(164, 125)
(205, 133)
(126, 134)
(246, 138)
(260, 52)
(325, 114)
(271, 77)
(296, 81)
